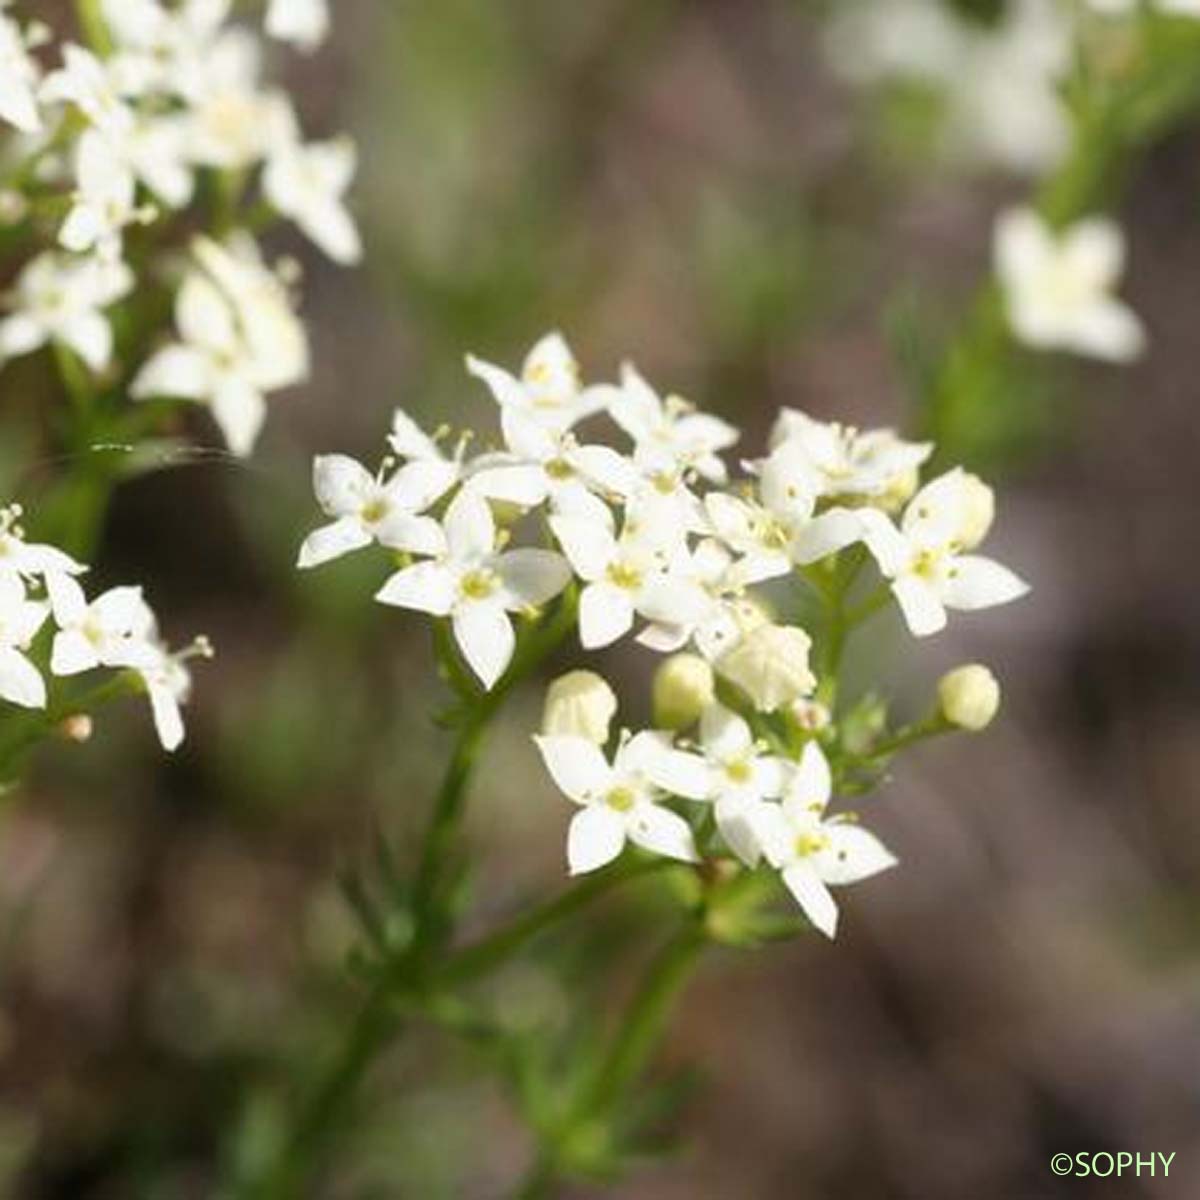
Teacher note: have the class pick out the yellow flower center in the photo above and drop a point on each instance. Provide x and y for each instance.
(375, 510)
(479, 584)
(739, 770)
(559, 468)
(620, 798)
(623, 575)
(811, 843)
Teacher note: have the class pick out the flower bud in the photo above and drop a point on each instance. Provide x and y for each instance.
(770, 664)
(978, 511)
(969, 697)
(683, 688)
(810, 715)
(579, 703)
(75, 728)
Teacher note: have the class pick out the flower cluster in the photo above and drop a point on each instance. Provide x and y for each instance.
(39, 584)
(164, 110)
(659, 539)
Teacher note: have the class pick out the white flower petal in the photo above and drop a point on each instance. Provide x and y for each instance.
(426, 587)
(853, 854)
(596, 836)
(923, 610)
(532, 577)
(812, 896)
(485, 636)
(20, 681)
(577, 766)
(341, 484)
(663, 832)
(978, 582)
(332, 541)
(605, 614)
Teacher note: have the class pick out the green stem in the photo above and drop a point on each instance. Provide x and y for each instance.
(909, 735)
(93, 26)
(475, 960)
(644, 1022)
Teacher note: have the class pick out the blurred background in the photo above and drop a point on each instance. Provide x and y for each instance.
(729, 193)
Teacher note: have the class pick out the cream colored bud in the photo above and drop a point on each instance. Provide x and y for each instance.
(810, 715)
(683, 688)
(770, 664)
(979, 509)
(969, 697)
(76, 728)
(581, 704)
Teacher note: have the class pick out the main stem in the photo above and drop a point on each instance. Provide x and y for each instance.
(378, 1021)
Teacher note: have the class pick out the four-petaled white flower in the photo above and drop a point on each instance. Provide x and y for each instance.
(168, 685)
(18, 79)
(380, 508)
(619, 801)
(114, 630)
(30, 559)
(1058, 287)
(548, 390)
(307, 183)
(240, 340)
(623, 576)
(924, 557)
(812, 852)
(671, 433)
(62, 299)
(547, 464)
(20, 619)
(477, 584)
(305, 23)
(742, 777)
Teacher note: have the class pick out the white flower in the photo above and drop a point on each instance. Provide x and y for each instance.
(84, 81)
(161, 51)
(669, 434)
(741, 778)
(302, 22)
(20, 618)
(477, 585)
(116, 629)
(782, 527)
(841, 460)
(923, 558)
(1059, 287)
(307, 183)
(626, 575)
(770, 664)
(366, 508)
(548, 390)
(232, 123)
(104, 202)
(240, 339)
(18, 79)
(618, 802)
(548, 464)
(62, 299)
(813, 853)
(19, 558)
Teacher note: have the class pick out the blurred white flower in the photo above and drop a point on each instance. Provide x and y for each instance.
(618, 801)
(1058, 288)
(380, 508)
(924, 557)
(668, 434)
(61, 299)
(840, 460)
(84, 81)
(104, 202)
(813, 853)
(20, 618)
(302, 22)
(240, 340)
(18, 79)
(307, 183)
(477, 585)
(168, 684)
